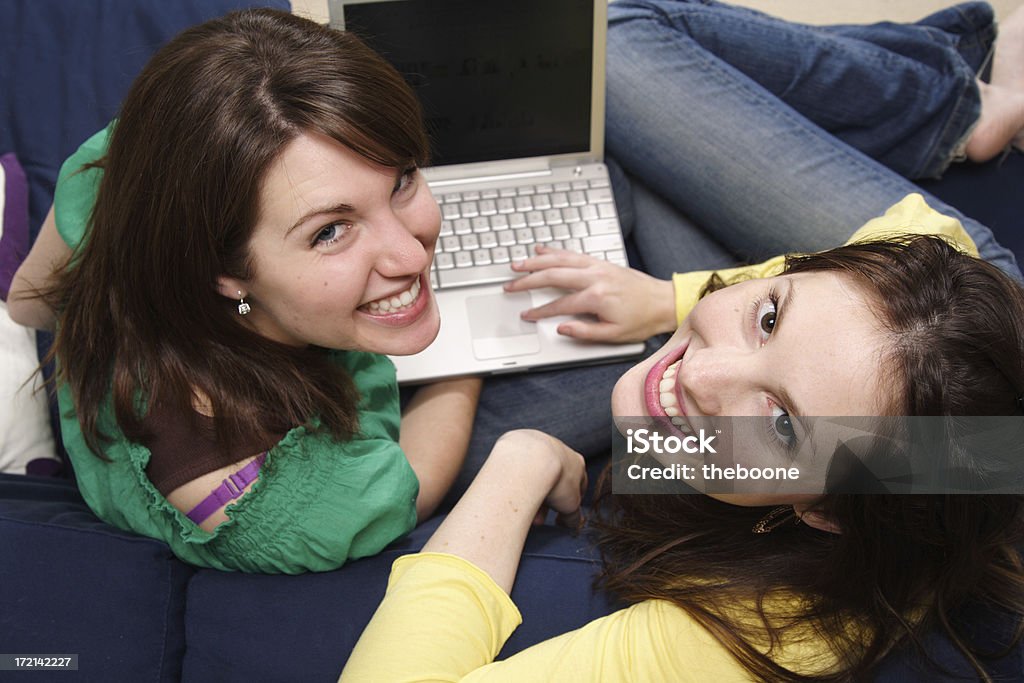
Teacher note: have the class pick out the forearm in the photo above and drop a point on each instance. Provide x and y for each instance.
(436, 427)
(453, 617)
(488, 526)
(35, 276)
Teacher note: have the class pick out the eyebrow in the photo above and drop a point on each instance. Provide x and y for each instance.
(789, 300)
(339, 208)
(336, 209)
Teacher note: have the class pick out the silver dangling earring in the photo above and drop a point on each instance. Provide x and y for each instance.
(243, 308)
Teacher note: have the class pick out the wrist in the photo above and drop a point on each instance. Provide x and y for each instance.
(664, 296)
(527, 459)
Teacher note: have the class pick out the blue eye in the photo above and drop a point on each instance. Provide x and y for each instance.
(330, 234)
(781, 427)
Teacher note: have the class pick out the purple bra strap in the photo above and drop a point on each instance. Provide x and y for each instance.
(229, 489)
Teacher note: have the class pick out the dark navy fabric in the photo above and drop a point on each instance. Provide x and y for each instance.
(993, 193)
(70, 584)
(989, 629)
(303, 627)
(131, 611)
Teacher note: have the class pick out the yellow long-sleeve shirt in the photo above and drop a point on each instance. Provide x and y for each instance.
(910, 216)
(444, 619)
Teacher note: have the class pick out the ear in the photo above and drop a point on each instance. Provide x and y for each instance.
(817, 520)
(231, 287)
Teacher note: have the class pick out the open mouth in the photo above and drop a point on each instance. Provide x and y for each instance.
(662, 394)
(395, 303)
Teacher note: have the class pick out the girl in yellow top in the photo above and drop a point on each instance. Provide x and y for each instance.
(871, 328)
(904, 326)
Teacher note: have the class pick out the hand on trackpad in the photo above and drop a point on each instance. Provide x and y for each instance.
(497, 330)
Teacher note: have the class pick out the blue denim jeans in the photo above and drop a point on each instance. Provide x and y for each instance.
(741, 136)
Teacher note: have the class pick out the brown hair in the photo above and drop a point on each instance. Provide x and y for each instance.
(904, 564)
(139, 311)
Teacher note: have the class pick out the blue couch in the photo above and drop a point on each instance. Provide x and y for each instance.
(70, 584)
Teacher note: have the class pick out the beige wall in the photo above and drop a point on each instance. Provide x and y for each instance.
(812, 11)
(842, 11)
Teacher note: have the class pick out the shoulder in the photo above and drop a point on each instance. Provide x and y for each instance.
(913, 216)
(374, 377)
(77, 186)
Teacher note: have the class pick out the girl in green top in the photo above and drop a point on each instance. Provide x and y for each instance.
(228, 260)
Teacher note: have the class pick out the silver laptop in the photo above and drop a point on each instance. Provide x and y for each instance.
(513, 97)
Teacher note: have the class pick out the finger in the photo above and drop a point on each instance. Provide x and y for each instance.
(565, 278)
(569, 304)
(571, 520)
(546, 257)
(593, 330)
(540, 516)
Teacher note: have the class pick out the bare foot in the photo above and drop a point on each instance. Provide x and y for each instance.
(1008, 61)
(1001, 122)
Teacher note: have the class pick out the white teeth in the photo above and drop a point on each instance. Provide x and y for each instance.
(668, 399)
(394, 303)
(683, 425)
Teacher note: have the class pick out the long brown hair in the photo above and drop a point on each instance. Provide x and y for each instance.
(904, 565)
(139, 312)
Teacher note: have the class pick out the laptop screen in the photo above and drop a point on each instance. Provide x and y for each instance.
(498, 80)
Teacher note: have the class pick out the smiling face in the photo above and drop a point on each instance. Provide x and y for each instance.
(341, 253)
(797, 345)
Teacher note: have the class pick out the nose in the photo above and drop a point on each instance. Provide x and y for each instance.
(405, 246)
(717, 379)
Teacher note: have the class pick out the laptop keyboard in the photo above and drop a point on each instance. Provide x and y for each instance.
(482, 232)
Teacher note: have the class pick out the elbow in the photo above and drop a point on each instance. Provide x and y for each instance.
(30, 311)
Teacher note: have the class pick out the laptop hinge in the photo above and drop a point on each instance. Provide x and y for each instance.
(489, 178)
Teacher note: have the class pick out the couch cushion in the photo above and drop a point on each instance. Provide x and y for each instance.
(70, 584)
(990, 193)
(302, 628)
(988, 628)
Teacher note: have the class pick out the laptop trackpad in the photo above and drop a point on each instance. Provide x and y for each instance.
(496, 328)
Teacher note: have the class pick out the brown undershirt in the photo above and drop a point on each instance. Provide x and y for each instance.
(183, 447)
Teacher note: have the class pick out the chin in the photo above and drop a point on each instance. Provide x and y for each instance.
(627, 396)
(410, 341)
